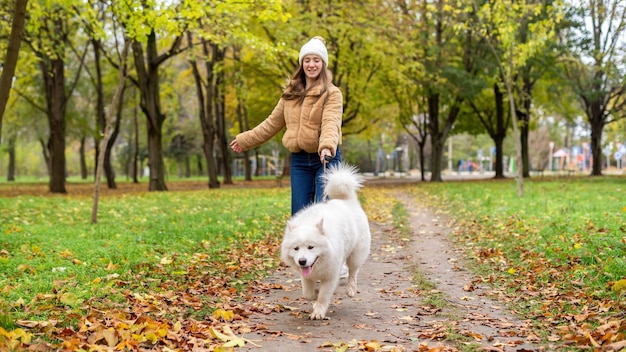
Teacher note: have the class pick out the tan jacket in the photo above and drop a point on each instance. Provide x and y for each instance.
(311, 126)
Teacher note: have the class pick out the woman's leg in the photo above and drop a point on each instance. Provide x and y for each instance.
(303, 170)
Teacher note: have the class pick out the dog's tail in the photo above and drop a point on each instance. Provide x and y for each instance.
(342, 181)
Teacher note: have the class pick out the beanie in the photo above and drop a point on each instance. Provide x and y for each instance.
(314, 46)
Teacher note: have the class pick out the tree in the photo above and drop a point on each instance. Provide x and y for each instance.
(97, 80)
(10, 61)
(448, 60)
(109, 130)
(594, 65)
(205, 91)
(49, 38)
(499, 24)
(494, 120)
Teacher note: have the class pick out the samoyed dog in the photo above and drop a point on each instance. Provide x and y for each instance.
(319, 239)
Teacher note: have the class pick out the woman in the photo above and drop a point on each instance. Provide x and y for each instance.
(311, 109)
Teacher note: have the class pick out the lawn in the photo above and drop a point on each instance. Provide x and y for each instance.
(558, 254)
(166, 267)
(163, 254)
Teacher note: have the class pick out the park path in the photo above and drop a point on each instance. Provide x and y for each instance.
(390, 311)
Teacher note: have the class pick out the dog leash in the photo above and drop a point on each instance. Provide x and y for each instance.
(327, 158)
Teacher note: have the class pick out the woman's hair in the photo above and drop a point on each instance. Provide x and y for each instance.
(296, 87)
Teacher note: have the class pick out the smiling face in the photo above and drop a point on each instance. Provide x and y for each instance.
(303, 246)
(312, 66)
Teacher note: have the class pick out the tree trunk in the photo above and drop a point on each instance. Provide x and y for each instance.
(500, 132)
(421, 156)
(524, 130)
(54, 81)
(108, 130)
(11, 167)
(100, 114)
(109, 170)
(220, 116)
(155, 159)
(149, 86)
(597, 126)
(83, 159)
(10, 61)
(46, 155)
(439, 134)
(206, 110)
(135, 155)
(523, 115)
(148, 80)
(199, 164)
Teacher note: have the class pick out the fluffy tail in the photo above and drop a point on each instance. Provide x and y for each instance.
(342, 181)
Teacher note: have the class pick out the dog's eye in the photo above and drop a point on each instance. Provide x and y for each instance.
(311, 247)
(296, 248)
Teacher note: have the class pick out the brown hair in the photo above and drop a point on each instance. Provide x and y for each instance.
(296, 88)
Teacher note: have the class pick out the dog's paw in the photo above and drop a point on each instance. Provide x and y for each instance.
(317, 316)
(319, 312)
(351, 289)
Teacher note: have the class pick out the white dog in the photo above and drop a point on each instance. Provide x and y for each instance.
(323, 236)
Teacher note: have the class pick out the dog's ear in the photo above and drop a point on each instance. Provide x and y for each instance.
(320, 226)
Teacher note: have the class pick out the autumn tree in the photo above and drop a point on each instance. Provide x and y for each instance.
(448, 64)
(499, 24)
(489, 109)
(49, 34)
(594, 64)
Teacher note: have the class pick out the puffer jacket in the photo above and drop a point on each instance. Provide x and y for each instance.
(311, 126)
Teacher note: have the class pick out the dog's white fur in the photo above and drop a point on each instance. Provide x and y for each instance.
(320, 238)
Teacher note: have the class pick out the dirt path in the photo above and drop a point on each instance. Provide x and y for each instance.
(390, 311)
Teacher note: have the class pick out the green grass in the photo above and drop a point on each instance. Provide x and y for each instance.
(51, 256)
(558, 248)
(553, 253)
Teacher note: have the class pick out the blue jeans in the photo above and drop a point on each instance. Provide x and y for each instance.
(306, 178)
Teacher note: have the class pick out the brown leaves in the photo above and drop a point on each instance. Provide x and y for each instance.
(159, 308)
(610, 336)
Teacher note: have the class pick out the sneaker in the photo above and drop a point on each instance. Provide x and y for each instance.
(344, 271)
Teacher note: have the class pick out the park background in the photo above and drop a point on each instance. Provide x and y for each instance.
(531, 88)
(433, 86)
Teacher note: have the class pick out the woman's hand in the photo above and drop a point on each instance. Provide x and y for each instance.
(323, 154)
(235, 146)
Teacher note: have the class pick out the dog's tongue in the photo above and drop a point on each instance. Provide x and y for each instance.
(306, 271)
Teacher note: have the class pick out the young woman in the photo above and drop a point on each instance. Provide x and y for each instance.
(310, 109)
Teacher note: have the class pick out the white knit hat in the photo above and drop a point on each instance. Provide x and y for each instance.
(314, 46)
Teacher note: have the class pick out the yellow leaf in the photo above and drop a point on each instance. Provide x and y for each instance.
(235, 342)
(152, 337)
(619, 286)
(218, 335)
(223, 314)
(96, 280)
(372, 346)
(224, 349)
(69, 298)
(162, 330)
(20, 334)
(511, 271)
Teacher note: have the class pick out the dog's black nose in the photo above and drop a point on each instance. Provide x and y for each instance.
(302, 262)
